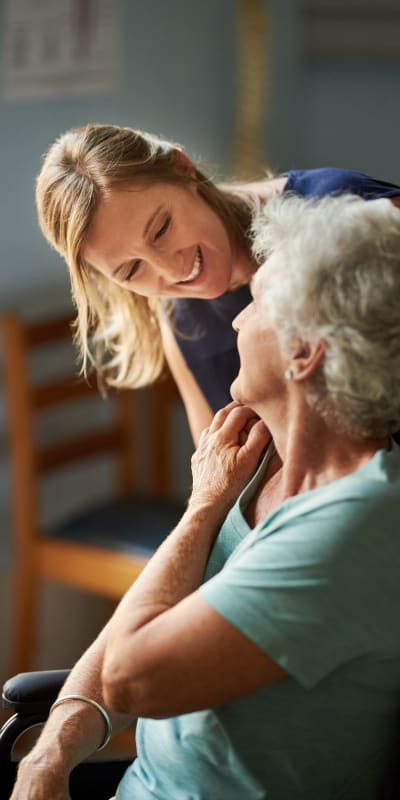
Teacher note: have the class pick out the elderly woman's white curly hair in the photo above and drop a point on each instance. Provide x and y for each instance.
(334, 275)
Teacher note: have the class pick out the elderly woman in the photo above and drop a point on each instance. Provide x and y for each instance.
(260, 645)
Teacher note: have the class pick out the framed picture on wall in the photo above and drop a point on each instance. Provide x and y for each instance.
(57, 48)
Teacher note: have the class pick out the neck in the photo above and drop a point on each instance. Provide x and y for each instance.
(313, 455)
(243, 268)
(242, 210)
(245, 200)
(257, 192)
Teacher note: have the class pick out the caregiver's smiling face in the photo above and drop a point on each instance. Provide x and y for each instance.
(160, 240)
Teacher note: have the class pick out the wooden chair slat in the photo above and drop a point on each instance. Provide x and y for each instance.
(52, 330)
(60, 391)
(78, 449)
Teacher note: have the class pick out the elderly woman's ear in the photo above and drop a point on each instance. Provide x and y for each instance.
(307, 360)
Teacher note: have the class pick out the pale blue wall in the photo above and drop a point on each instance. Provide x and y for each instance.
(344, 115)
(352, 118)
(179, 79)
(177, 58)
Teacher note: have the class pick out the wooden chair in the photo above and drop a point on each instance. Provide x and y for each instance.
(103, 549)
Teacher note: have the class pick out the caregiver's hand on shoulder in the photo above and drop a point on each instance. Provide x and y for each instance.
(228, 454)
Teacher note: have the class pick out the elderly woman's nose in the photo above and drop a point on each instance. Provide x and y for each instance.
(235, 322)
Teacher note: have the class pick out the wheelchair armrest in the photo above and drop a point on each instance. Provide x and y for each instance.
(32, 693)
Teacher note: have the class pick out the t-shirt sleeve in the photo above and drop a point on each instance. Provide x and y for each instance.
(302, 592)
(333, 181)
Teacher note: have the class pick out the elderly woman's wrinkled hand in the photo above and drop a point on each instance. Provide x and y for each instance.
(37, 782)
(228, 454)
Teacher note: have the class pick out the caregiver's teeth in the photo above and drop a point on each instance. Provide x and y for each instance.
(196, 268)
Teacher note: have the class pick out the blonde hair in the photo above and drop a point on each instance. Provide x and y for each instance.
(117, 331)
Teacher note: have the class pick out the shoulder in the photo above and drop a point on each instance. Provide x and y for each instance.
(332, 180)
(360, 509)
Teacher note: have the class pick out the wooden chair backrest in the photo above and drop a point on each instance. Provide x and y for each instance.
(26, 399)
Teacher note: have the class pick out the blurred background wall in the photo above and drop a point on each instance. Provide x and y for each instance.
(329, 99)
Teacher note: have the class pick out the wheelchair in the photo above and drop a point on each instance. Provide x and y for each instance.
(30, 695)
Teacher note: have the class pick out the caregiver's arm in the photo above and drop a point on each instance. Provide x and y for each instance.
(168, 651)
(198, 411)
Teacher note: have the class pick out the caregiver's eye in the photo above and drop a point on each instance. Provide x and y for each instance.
(133, 270)
(163, 229)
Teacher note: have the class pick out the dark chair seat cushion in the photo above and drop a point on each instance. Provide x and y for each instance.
(136, 524)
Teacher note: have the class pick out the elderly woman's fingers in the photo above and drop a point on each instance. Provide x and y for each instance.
(244, 434)
(227, 457)
(258, 436)
(233, 425)
(239, 422)
(222, 415)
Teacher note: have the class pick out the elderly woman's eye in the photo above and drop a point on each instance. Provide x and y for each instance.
(164, 228)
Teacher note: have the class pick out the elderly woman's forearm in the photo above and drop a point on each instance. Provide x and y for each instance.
(174, 572)
(75, 729)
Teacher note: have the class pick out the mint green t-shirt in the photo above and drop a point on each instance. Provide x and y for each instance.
(317, 587)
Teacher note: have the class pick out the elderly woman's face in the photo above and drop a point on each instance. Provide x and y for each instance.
(262, 367)
(160, 240)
